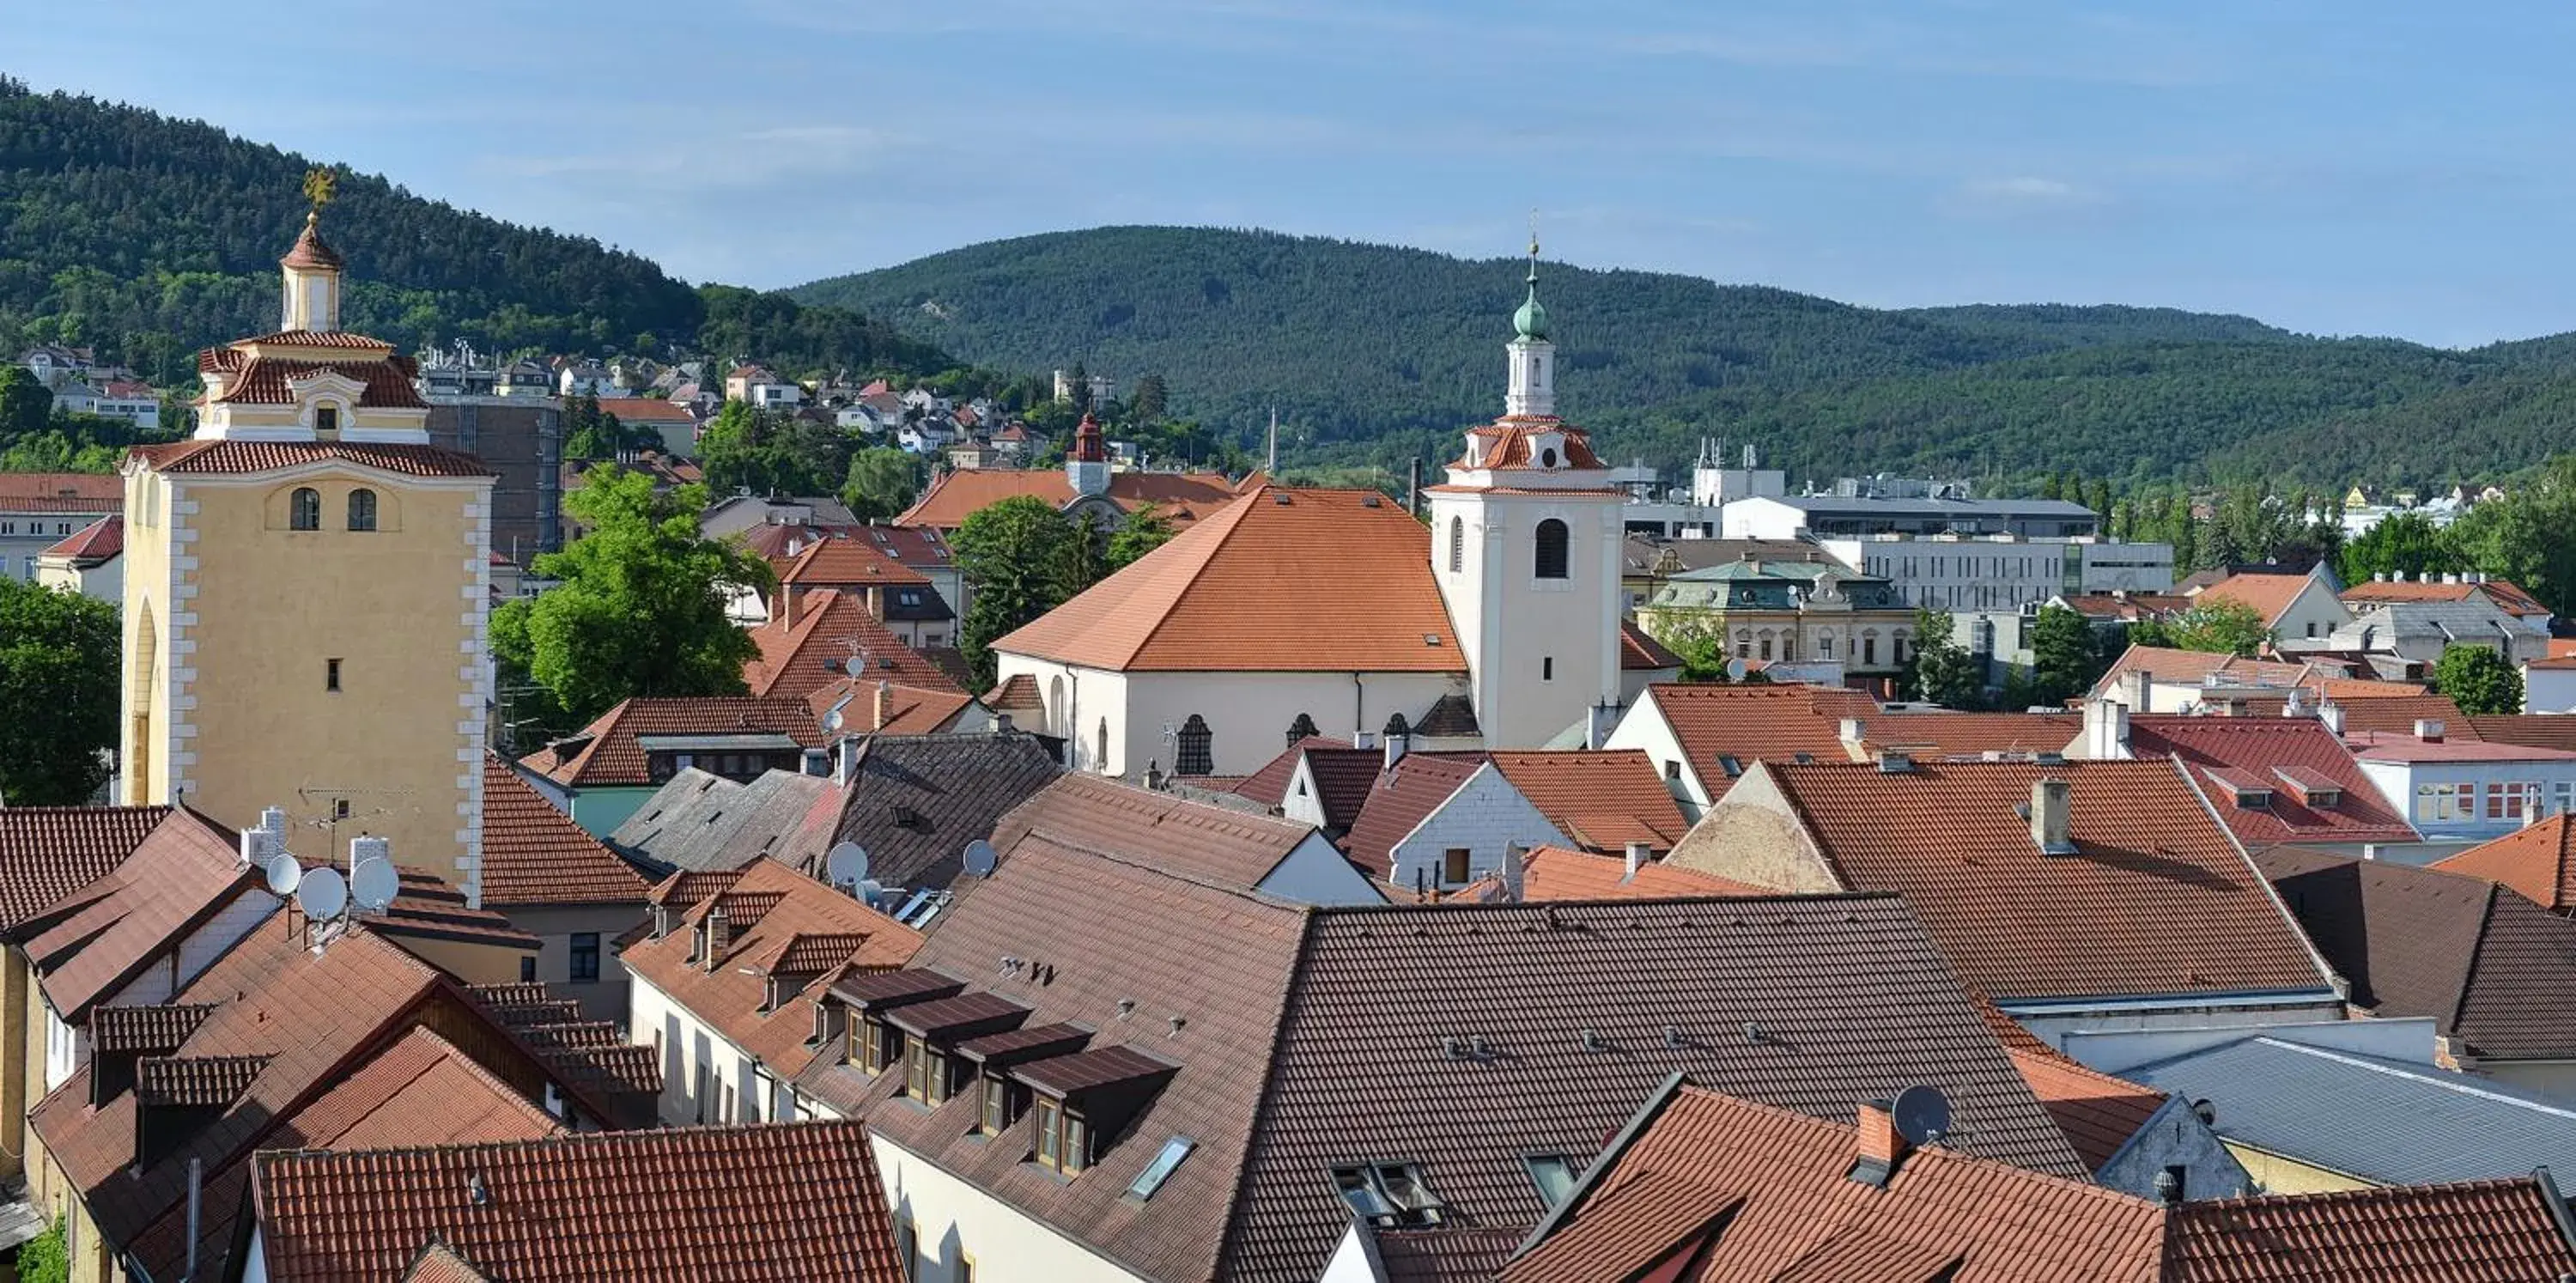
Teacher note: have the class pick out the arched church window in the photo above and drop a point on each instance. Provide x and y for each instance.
(1552, 559)
(304, 509)
(1301, 730)
(362, 509)
(1194, 751)
(1457, 544)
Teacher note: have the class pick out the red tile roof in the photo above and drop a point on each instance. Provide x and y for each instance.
(1018, 693)
(68, 492)
(1510, 442)
(796, 1202)
(310, 338)
(1277, 581)
(1638, 650)
(48, 852)
(268, 456)
(1212, 844)
(910, 710)
(2504, 594)
(1556, 873)
(2382, 746)
(831, 628)
(2398, 714)
(606, 755)
(99, 541)
(647, 410)
(109, 931)
(843, 563)
(1947, 734)
(1602, 800)
(534, 854)
(2274, 752)
(2535, 730)
(1270, 784)
(1717, 1188)
(1752, 723)
(309, 250)
(781, 923)
(2538, 862)
(1400, 799)
(2268, 594)
(2195, 667)
(2098, 1113)
(1184, 497)
(2158, 899)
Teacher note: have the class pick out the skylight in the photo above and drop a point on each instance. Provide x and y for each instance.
(1160, 1170)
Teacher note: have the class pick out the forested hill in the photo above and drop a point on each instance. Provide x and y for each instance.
(148, 238)
(1379, 354)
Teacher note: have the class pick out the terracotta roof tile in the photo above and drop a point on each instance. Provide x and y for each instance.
(426, 907)
(785, 1201)
(534, 854)
(814, 649)
(99, 541)
(269, 456)
(2492, 969)
(2276, 753)
(840, 562)
(1555, 873)
(957, 495)
(2472, 1232)
(1278, 580)
(1510, 442)
(1269, 785)
(1398, 799)
(2397, 715)
(2173, 666)
(1018, 693)
(1602, 800)
(2098, 1113)
(157, 1030)
(48, 852)
(605, 753)
(910, 710)
(2531, 730)
(770, 909)
(2268, 594)
(180, 875)
(2538, 862)
(646, 410)
(199, 1082)
(2504, 594)
(1947, 734)
(2157, 898)
(1196, 840)
(1640, 651)
(1752, 723)
(309, 250)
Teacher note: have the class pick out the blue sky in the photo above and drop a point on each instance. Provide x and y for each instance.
(2348, 167)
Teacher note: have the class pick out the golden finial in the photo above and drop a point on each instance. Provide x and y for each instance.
(1533, 231)
(318, 185)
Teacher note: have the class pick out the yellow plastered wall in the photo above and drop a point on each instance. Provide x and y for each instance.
(233, 617)
(2274, 1174)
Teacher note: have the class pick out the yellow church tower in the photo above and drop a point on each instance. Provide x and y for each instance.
(306, 587)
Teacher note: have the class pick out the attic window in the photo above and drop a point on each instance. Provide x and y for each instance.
(1553, 1174)
(1064, 1139)
(1728, 763)
(1389, 1194)
(1431, 639)
(1165, 1162)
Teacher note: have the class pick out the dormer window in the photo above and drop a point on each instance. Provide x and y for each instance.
(326, 421)
(1004, 1101)
(1064, 1138)
(1389, 1194)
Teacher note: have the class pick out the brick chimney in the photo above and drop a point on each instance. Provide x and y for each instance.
(2052, 803)
(719, 929)
(1878, 1149)
(783, 609)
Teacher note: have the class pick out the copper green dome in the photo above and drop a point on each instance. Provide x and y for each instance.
(1531, 321)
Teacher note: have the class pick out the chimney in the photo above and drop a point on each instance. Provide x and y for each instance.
(848, 751)
(2106, 730)
(2136, 682)
(1364, 739)
(1512, 870)
(1879, 1148)
(2332, 715)
(2051, 821)
(1851, 731)
(2379, 576)
(2429, 729)
(784, 611)
(884, 705)
(2530, 805)
(1399, 740)
(1001, 723)
(1894, 762)
(719, 929)
(1639, 854)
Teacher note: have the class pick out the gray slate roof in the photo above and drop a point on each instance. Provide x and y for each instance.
(2384, 1121)
(702, 821)
(917, 800)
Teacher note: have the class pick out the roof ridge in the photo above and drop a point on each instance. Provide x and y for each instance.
(2462, 1084)
(1222, 524)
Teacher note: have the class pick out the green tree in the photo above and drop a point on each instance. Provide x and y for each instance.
(2529, 536)
(882, 482)
(58, 694)
(25, 403)
(1941, 670)
(1017, 560)
(1698, 639)
(47, 1257)
(2407, 543)
(770, 453)
(2218, 627)
(2478, 679)
(1081, 390)
(1146, 402)
(1146, 529)
(2066, 657)
(640, 609)
(2099, 499)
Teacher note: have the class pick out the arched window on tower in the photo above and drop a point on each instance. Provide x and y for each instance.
(1457, 544)
(1551, 541)
(362, 509)
(1193, 753)
(304, 509)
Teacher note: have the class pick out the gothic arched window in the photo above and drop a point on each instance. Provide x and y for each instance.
(304, 509)
(1193, 754)
(1457, 544)
(362, 509)
(1551, 549)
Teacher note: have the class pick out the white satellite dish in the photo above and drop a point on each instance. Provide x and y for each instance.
(322, 894)
(374, 884)
(869, 889)
(857, 666)
(283, 874)
(846, 863)
(981, 857)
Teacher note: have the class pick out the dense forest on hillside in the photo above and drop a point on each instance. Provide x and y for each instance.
(1376, 355)
(149, 238)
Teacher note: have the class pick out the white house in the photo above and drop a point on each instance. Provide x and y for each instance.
(2456, 790)
(1500, 628)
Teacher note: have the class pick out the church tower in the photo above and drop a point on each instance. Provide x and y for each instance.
(1086, 465)
(1525, 543)
(306, 591)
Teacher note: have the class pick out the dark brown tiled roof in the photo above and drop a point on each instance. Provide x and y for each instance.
(534, 854)
(181, 874)
(47, 852)
(2217, 749)
(1638, 650)
(270, 456)
(2538, 862)
(2471, 1232)
(2157, 898)
(606, 755)
(796, 1202)
(152, 1030)
(1194, 839)
(1275, 1088)
(196, 1081)
(2491, 968)
(2530, 730)
(1092, 1069)
(97, 542)
(1400, 798)
(425, 908)
(1269, 785)
(917, 800)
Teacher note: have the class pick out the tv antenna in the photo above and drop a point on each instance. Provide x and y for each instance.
(981, 857)
(1921, 1114)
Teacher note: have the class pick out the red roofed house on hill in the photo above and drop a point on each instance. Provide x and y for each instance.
(1085, 488)
(1331, 610)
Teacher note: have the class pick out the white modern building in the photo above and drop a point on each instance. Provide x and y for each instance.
(2000, 571)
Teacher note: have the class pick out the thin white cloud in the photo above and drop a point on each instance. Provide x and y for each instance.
(2022, 196)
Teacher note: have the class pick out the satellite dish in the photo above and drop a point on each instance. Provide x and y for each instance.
(374, 884)
(322, 894)
(846, 863)
(981, 857)
(869, 889)
(857, 666)
(1922, 1115)
(283, 874)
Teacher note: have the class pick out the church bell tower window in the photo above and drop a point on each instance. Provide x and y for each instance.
(1552, 555)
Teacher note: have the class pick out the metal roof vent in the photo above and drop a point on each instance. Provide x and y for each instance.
(1591, 1040)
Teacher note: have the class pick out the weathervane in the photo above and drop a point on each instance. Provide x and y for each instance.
(318, 184)
(1533, 234)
